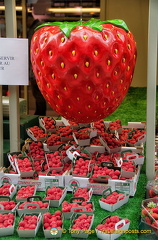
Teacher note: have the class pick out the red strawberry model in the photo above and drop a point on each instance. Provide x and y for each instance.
(83, 69)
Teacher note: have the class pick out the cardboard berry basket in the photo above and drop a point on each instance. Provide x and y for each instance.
(72, 152)
(126, 173)
(32, 136)
(84, 125)
(139, 125)
(93, 148)
(10, 190)
(24, 199)
(43, 124)
(79, 208)
(32, 147)
(135, 157)
(108, 149)
(88, 167)
(104, 178)
(11, 157)
(85, 142)
(7, 205)
(80, 201)
(141, 140)
(58, 169)
(65, 137)
(116, 129)
(83, 233)
(63, 149)
(51, 148)
(25, 173)
(89, 194)
(113, 234)
(53, 232)
(73, 125)
(57, 203)
(8, 231)
(99, 126)
(68, 215)
(27, 206)
(29, 233)
(122, 199)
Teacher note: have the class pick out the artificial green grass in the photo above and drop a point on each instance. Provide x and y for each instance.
(132, 109)
(130, 210)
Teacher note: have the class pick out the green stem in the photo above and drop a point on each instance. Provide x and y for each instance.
(96, 24)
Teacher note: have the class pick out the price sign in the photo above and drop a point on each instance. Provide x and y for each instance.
(13, 61)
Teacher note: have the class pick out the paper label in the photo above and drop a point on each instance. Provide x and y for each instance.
(14, 61)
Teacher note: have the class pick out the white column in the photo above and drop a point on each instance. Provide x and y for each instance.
(24, 35)
(151, 88)
(1, 129)
(14, 117)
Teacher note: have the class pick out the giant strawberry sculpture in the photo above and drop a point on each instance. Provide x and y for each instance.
(83, 69)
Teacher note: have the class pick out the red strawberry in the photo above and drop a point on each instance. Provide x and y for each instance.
(83, 69)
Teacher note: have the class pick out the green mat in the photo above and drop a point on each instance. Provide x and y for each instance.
(130, 210)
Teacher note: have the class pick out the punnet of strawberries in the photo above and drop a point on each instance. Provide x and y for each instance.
(152, 188)
(7, 220)
(7, 205)
(82, 167)
(24, 164)
(103, 172)
(82, 222)
(85, 193)
(33, 205)
(28, 222)
(65, 131)
(113, 198)
(36, 132)
(108, 224)
(99, 125)
(53, 139)
(54, 220)
(6, 189)
(111, 140)
(25, 192)
(149, 212)
(54, 193)
(77, 207)
(35, 150)
(47, 123)
(54, 159)
(115, 125)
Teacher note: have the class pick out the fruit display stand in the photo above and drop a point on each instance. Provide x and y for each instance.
(135, 184)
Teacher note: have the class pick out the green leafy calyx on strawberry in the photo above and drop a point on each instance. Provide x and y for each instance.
(96, 24)
(151, 205)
